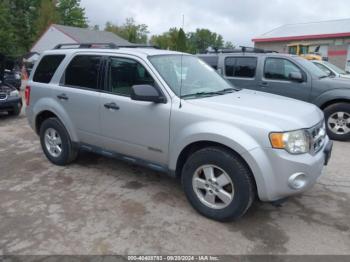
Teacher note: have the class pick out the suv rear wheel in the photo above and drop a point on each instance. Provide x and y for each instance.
(218, 184)
(338, 121)
(56, 143)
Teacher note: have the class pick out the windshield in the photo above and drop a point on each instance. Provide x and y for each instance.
(196, 77)
(334, 68)
(311, 67)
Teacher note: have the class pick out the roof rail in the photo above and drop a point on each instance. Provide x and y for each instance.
(100, 45)
(242, 49)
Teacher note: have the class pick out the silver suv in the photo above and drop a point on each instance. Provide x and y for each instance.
(172, 112)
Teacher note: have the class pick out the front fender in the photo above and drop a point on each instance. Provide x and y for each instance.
(212, 131)
(49, 104)
(334, 94)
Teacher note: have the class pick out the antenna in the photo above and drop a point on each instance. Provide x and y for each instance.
(183, 23)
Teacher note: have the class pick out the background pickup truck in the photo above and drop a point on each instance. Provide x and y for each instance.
(291, 76)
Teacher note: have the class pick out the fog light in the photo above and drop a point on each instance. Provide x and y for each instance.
(297, 180)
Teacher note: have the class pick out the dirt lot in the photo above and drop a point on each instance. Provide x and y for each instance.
(102, 206)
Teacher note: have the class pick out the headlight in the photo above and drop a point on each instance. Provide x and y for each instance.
(17, 76)
(294, 142)
(14, 93)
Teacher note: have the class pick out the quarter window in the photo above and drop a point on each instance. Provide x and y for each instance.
(279, 69)
(47, 68)
(240, 66)
(83, 71)
(124, 73)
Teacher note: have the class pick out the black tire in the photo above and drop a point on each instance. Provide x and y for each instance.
(236, 169)
(69, 152)
(331, 110)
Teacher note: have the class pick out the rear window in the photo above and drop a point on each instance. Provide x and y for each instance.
(47, 68)
(83, 71)
(240, 66)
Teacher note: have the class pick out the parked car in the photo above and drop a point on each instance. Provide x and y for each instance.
(290, 76)
(10, 99)
(13, 78)
(331, 70)
(227, 145)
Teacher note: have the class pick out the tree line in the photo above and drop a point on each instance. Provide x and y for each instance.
(23, 21)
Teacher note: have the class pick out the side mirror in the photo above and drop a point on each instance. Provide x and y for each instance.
(296, 76)
(146, 93)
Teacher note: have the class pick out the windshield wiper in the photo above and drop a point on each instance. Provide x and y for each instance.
(203, 94)
(324, 76)
(228, 90)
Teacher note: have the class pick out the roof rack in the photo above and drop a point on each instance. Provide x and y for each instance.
(100, 45)
(242, 49)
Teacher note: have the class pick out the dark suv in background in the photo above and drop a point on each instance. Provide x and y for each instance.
(291, 76)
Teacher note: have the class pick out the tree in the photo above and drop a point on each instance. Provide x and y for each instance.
(7, 30)
(181, 41)
(134, 33)
(47, 15)
(200, 40)
(71, 13)
(167, 40)
(229, 45)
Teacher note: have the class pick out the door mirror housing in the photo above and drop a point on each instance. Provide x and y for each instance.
(296, 76)
(146, 93)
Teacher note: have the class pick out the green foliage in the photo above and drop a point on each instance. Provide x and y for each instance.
(200, 40)
(229, 44)
(47, 14)
(7, 37)
(181, 41)
(71, 13)
(193, 42)
(22, 21)
(134, 33)
(166, 40)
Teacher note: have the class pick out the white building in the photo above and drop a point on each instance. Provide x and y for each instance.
(59, 34)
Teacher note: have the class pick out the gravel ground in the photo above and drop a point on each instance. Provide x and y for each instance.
(102, 206)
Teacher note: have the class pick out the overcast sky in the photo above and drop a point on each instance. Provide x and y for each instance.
(237, 21)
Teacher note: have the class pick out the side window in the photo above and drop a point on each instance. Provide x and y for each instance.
(323, 68)
(279, 69)
(83, 71)
(124, 73)
(47, 68)
(241, 66)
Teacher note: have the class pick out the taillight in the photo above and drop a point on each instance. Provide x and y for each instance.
(27, 95)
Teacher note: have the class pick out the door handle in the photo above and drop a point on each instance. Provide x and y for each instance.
(112, 106)
(264, 84)
(62, 97)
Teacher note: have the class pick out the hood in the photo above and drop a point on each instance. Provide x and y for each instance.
(337, 82)
(6, 89)
(347, 76)
(259, 108)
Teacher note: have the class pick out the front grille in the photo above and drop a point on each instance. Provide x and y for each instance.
(3, 96)
(317, 137)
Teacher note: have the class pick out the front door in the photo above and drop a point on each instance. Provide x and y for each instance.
(275, 79)
(133, 128)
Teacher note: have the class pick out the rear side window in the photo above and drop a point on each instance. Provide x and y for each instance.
(83, 71)
(47, 68)
(240, 66)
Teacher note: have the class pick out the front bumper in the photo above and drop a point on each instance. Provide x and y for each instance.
(11, 103)
(275, 169)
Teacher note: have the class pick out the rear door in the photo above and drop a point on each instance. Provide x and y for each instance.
(241, 71)
(275, 79)
(133, 128)
(79, 95)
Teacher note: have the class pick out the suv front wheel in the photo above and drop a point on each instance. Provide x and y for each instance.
(338, 121)
(218, 184)
(56, 143)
